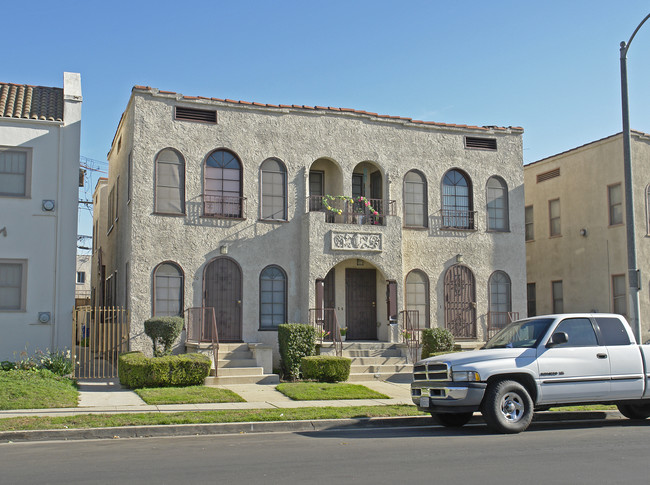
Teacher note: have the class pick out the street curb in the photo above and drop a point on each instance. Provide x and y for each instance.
(269, 427)
(210, 429)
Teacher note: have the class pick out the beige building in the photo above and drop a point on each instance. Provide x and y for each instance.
(576, 254)
(266, 213)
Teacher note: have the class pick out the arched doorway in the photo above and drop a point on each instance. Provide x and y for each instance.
(222, 284)
(460, 302)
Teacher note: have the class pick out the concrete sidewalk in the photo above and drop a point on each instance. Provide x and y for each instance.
(109, 397)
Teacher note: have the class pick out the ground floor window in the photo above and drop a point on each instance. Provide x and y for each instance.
(273, 297)
(12, 284)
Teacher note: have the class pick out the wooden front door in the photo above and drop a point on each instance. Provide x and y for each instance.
(460, 302)
(222, 283)
(361, 304)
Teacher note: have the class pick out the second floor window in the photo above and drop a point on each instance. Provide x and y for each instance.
(14, 173)
(530, 224)
(415, 200)
(457, 201)
(497, 205)
(170, 182)
(222, 186)
(554, 217)
(615, 198)
(273, 176)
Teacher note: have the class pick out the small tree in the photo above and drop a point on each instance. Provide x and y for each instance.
(296, 340)
(163, 331)
(436, 340)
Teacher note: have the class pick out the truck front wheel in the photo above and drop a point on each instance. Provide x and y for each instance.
(452, 420)
(507, 407)
(634, 411)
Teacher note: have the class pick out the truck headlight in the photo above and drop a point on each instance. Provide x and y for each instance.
(465, 376)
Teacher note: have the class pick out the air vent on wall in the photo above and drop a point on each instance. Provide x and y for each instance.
(193, 114)
(548, 175)
(482, 143)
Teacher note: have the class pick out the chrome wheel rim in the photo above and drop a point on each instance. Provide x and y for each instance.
(512, 407)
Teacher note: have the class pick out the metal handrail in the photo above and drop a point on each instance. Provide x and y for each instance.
(411, 330)
(192, 321)
(224, 207)
(458, 219)
(332, 332)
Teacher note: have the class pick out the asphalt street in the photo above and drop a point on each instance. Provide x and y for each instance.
(599, 452)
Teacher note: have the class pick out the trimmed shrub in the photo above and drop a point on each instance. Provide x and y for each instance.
(436, 340)
(296, 340)
(136, 370)
(326, 368)
(163, 332)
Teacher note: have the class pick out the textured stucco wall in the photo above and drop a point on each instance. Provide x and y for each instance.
(303, 139)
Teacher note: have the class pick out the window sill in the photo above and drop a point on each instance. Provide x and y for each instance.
(274, 221)
(498, 231)
(172, 214)
(416, 228)
(555, 237)
(267, 329)
(458, 229)
(620, 224)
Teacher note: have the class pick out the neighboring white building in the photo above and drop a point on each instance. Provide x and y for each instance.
(226, 205)
(40, 131)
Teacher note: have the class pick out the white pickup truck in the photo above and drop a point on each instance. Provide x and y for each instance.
(534, 364)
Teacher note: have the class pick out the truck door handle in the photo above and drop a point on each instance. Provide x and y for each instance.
(601, 356)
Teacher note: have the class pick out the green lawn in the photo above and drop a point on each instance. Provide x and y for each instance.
(187, 395)
(323, 391)
(21, 389)
(196, 417)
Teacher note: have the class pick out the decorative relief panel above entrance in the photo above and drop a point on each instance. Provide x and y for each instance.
(356, 241)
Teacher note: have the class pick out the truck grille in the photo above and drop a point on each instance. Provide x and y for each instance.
(437, 371)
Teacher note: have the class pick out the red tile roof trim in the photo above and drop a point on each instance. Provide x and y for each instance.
(323, 108)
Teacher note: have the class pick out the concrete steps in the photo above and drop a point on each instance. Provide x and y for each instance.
(236, 364)
(375, 361)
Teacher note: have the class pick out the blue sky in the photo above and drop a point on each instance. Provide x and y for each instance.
(550, 66)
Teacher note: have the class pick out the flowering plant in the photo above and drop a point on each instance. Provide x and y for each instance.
(328, 199)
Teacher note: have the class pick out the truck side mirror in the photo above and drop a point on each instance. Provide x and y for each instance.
(557, 338)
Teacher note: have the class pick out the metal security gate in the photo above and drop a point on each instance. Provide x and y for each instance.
(460, 302)
(99, 336)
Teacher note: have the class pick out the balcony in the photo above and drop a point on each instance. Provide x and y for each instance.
(224, 207)
(458, 220)
(347, 210)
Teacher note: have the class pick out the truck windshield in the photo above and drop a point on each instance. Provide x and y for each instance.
(520, 334)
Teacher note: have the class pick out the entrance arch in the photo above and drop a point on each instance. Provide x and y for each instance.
(222, 290)
(460, 302)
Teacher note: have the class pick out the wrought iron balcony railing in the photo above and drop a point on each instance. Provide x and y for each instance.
(359, 210)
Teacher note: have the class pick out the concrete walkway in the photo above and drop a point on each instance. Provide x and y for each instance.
(109, 397)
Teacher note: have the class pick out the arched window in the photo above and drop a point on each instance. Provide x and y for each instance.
(415, 200)
(417, 296)
(170, 182)
(273, 297)
(168, 290)
(457, 204)
(497, 205)
(500, 301)
(222, 186)
(273, 181)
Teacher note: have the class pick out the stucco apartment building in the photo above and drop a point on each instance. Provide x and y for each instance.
(39, 178)
(266, 213)
(576, 253)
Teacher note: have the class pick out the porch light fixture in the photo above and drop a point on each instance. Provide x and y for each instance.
(223, 249)
(459, 258)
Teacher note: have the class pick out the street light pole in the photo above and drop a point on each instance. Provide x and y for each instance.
(633, 272)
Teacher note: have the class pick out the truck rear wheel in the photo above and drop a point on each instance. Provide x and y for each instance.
(507, 407)
(452, 420)
(634, 411)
